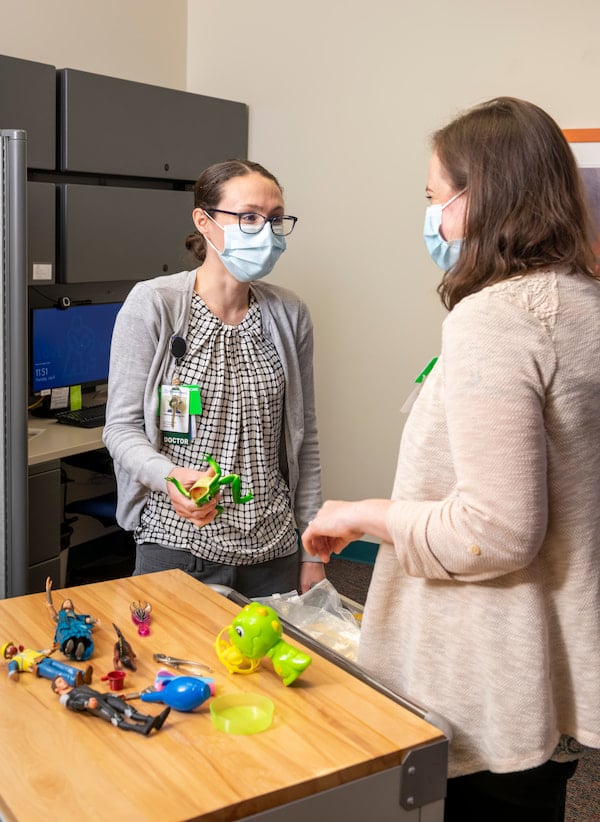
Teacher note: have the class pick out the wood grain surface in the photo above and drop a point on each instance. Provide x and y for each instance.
(328, 727)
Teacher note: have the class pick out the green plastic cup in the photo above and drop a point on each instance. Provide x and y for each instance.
(241, 713)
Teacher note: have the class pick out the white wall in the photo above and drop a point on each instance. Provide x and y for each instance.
(343, 95)
(141, 40)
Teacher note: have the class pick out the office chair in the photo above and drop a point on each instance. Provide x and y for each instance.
(102, 508)
(102, 557)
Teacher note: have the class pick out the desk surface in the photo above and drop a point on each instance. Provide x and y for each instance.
(50, 440)
(329, 728)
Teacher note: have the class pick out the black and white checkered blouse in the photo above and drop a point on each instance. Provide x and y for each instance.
(242, 387)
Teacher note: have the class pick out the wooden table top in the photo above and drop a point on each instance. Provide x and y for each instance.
(328, 727)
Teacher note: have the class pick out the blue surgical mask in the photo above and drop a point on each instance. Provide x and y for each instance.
(249, 257)
(443, 253)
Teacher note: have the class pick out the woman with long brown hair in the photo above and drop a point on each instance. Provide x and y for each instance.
(485, 599)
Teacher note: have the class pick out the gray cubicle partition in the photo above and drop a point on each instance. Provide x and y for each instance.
(113, 233)
(119, 127)
(111, 166)
(129, 154)
(28, 103)
(41, 233)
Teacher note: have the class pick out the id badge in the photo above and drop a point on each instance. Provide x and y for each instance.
(178, 407)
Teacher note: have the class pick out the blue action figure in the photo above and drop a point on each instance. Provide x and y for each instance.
(73, 633)
(39, 663)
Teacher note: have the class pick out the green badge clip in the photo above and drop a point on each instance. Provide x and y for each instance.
(426, 370)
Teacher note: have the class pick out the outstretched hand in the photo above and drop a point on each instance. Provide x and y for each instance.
(331, 530)
(338, 523)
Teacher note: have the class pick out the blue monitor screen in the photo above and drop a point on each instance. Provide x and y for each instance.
(71, 346)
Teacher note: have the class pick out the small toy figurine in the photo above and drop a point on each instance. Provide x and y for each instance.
(254, 633)
(73, 633)
(39, 663)
(111, 708)
(208, 487)
(124, 655)
(140, 614)
(184, 693)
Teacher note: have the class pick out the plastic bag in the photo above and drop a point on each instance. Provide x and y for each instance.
(322, 615)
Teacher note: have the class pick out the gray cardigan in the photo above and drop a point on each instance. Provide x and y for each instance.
(140, 361)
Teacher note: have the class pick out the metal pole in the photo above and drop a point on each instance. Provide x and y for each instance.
(13, 379)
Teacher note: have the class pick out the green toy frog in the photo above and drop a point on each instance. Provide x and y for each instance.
(208, 487)
(256, 632)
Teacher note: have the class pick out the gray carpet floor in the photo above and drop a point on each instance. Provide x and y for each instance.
(351, 579)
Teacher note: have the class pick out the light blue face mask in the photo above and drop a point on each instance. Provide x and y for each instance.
(249, 257)
(443, 253)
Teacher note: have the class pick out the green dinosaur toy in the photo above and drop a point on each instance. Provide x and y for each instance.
(208, 487)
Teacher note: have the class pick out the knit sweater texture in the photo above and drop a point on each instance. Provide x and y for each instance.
(486, 606)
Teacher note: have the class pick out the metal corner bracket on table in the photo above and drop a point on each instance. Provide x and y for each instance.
(412, 792)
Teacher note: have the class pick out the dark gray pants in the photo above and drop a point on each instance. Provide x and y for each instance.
(276, 576)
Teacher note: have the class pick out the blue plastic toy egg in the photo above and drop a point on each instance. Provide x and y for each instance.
(183, 693)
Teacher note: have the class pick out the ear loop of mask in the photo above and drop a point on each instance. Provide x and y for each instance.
(453, 198)
(206, 240)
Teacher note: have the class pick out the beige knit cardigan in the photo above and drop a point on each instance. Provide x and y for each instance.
(486, 608)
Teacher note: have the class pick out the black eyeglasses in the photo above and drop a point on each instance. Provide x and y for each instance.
(251, 223)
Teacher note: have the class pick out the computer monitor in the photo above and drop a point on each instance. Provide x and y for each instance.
(71, 346)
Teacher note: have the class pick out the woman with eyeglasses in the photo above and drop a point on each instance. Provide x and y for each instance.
(484, 603)
(210, 419)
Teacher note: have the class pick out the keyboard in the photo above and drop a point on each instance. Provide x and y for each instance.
(92, 417)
